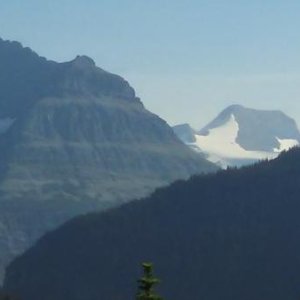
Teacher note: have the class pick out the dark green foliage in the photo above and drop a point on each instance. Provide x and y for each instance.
(234, 235)
(147, 283)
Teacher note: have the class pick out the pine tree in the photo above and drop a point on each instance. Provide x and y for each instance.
(146, 284)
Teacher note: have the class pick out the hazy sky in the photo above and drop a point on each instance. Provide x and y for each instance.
(187, 60)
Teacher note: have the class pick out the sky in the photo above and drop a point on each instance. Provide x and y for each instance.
(187, 60)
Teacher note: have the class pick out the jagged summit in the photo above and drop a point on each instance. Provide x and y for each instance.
(86, 64)
(26, 77)
(83, 61)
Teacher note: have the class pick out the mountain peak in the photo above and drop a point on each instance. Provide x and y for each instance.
(83, 62)
(243, 110)
(42, 78)
(234, 107)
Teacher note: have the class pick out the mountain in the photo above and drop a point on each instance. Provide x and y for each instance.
(185, 132)
(232, 235)
(240, 135)
(74, 138)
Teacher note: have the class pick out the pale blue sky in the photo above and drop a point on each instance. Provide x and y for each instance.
(187, 60)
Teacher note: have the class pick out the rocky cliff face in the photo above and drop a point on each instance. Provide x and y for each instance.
(74, 138)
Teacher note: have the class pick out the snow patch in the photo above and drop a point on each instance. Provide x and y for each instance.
(221, 147)
(285, 144)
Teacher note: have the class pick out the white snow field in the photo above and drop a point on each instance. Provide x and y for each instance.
(220, 146)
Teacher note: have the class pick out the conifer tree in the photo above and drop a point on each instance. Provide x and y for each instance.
(146, 284)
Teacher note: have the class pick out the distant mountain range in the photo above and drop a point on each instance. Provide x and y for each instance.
(240, 135)
(74, 138)
(233, 235)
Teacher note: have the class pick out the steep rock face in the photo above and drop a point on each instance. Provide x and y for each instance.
(74, 138)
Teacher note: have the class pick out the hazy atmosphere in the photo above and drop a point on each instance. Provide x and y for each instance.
(102, 199)
(187, 60)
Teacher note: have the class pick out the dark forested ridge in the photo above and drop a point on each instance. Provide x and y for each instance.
(234, 235)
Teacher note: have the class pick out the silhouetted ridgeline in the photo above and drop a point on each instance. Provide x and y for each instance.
(234, 235)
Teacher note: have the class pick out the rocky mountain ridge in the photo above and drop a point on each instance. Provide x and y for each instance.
(75, 138)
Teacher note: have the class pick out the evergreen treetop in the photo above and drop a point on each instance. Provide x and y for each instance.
(147, 283)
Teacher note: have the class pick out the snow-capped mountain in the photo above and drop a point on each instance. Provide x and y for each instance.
(240, 135)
